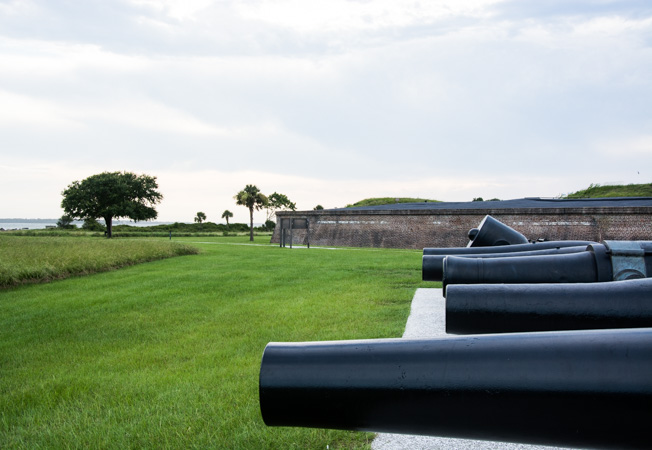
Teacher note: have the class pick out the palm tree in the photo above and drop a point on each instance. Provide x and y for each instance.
(200, 217)
(251, 197)
(225, 215)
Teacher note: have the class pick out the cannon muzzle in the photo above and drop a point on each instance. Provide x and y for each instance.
(432, 267)
(508, 308)
(575, 388)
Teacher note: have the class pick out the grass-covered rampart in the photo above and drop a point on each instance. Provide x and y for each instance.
(388, 201)
(608, 190)
(167, 354)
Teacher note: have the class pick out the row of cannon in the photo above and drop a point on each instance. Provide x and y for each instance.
(546, 286)
(548, 343)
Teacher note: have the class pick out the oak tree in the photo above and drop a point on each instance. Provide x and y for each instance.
(112, 195)
(279, 202)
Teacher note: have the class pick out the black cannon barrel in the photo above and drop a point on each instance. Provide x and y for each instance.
(508, 308)
(493, 232)
(583, 267)
(432, 267)
(502, 248)
(574, 388)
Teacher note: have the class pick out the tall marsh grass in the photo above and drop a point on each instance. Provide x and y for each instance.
(37, 259)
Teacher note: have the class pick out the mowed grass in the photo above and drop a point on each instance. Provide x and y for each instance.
(167, 354)
(40, 259)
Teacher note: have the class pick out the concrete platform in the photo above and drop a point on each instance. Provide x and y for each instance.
(428, 319)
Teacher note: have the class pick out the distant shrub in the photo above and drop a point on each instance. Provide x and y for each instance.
(93, 225)
(269, 225)
(65, 223)
(178, 227)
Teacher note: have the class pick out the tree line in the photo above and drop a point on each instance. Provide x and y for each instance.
(117, 195)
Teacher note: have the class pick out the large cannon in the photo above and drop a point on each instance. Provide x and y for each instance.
(503, 248)
(611, 261)
(492, 232)
(577, 388)
(508, 308)
(433, 265)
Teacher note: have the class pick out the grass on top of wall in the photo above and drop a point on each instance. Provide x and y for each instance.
(167, 354)
(379, 201)
(608, 190)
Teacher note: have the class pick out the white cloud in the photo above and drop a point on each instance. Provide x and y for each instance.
(612, 26)
(341, 15)
(634, 147)
(16, 7)
(32, 188)
(31, 112)
(153, 116)
(176, 9)
(42, 58)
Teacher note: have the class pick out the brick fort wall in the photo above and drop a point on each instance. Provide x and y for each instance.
(448, 228)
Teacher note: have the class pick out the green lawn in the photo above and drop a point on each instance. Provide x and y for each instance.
(167, 353)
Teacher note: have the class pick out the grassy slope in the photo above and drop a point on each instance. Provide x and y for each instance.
(167, 354)
(598, 191)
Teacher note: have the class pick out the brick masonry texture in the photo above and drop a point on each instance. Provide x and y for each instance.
(419, 229)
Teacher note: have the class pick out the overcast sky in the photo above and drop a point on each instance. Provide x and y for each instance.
(328, 102)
